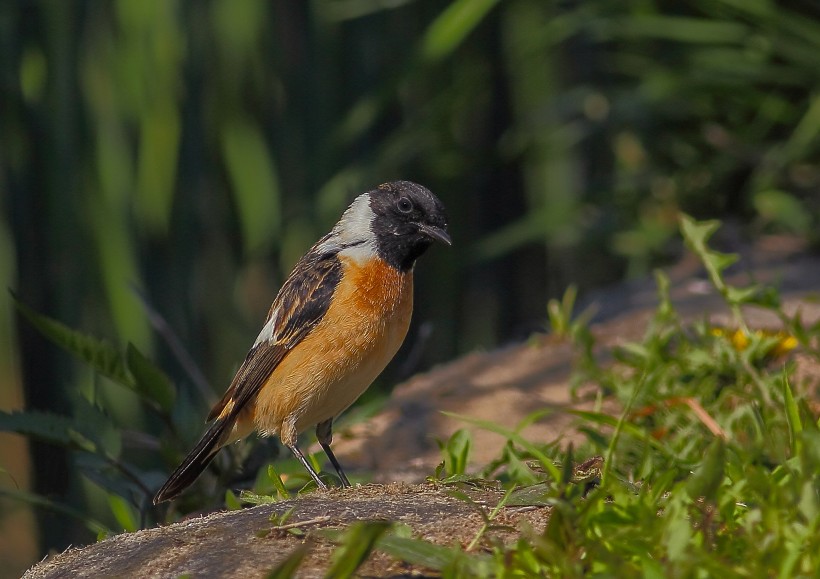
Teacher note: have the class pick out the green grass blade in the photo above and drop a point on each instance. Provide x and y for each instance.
(99, 354)
(357, 543)
(793, 418)
(515, 437)
(277, 482)
(124, 513)
(254, 181)
(631, 429)
(149, 381)
(36, 500)
(708, 477)
(438, 557)
(453, 25)
(288, 567)
(52, 428)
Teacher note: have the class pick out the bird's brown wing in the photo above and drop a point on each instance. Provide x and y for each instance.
(299, 306)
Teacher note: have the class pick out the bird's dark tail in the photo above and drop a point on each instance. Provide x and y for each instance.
(196, 461)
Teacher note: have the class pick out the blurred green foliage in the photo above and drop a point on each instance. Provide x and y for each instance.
(194, 150)
(710, 469)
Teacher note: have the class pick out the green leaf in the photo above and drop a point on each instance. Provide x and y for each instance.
(457, 452)
(453, 25)
(560, 312)
(232, 503)
(254, 182)
(793, 418)
(149, 381)
(566, 467)
(90, 430)
(678, 537)
(94, 424)
(807, 416)
(47, 427)
(560, 526)
(633, 353)
(809, 505)
(609, 420)
(697, 233)
(160, 132)
(277, 482)
(666, 310)
(517, 469)
(418, 552)
(718, 261)
(515, 437)
(357, 543)
(289, 565)
(109, 474)
(99, 354)
(538, 495)
(708, 477)
(144, 378)
(783, 209)
(36, 500)
(742, 295)
(252, 498)
(124, 513)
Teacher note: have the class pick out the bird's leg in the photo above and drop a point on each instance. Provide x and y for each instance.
(324, 432)
(313, 474)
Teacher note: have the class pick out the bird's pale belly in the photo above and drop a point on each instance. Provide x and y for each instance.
(334, 364)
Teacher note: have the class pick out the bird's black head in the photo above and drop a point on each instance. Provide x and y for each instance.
(407, 219)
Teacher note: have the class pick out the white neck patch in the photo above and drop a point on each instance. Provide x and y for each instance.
(353, 232)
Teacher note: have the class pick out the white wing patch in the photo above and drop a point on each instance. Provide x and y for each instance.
(266, 335)
(353, 234)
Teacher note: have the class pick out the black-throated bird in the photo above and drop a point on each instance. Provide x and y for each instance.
(337, 321)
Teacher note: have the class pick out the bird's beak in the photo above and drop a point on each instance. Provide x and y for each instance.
(436, 233)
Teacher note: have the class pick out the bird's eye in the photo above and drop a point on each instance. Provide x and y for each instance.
(404, 205)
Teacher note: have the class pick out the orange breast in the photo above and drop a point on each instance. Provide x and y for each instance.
(325, 373)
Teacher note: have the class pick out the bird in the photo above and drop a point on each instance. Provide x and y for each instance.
(337, 320)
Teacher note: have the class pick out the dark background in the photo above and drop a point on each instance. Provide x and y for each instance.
(191, 151)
